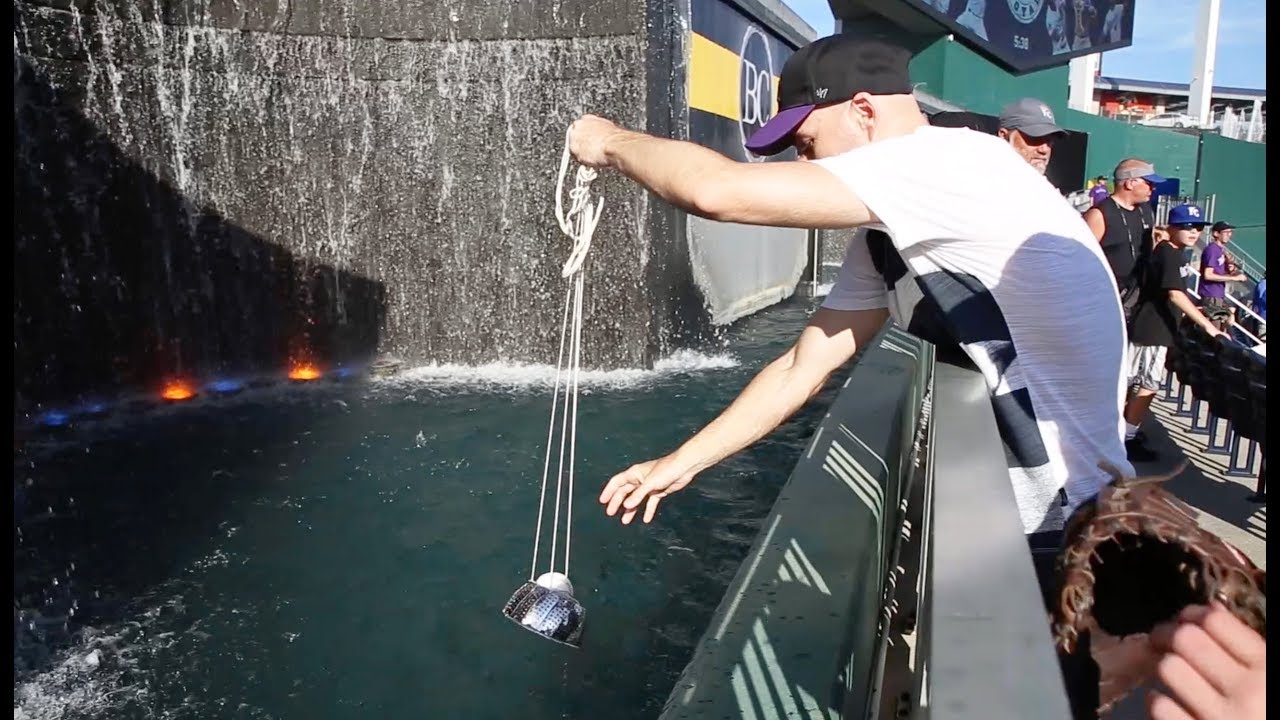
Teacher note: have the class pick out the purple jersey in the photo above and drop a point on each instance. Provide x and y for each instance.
(1098, 193)
(1216, 258)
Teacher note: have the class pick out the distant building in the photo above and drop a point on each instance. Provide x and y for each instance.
(1165, 104)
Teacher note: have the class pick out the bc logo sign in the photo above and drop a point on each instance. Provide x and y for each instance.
(1025, 11)
(755, 83)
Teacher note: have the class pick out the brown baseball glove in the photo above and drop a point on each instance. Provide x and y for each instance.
(1133, 558)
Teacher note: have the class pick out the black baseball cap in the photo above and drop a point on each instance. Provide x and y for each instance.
(830, 70)
(1222, 225)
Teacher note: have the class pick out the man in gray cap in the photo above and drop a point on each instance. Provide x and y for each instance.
(1029, 127)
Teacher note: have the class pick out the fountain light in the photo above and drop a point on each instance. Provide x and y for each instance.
(177, 391)
(304, 372)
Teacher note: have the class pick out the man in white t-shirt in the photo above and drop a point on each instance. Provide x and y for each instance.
(965, 245)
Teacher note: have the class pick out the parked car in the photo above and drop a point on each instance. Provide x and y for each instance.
(1170, 120)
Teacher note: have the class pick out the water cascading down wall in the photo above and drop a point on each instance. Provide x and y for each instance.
(207, 186)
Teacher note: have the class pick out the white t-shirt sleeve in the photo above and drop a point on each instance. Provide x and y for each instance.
(858, 286)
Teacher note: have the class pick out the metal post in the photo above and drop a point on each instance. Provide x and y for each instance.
(1213, 446)
(1196, 427)
(1234, 466)
(1200, 97)
(808, 286)
(1182, 410)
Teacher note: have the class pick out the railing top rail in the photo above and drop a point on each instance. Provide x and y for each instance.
(989, 652)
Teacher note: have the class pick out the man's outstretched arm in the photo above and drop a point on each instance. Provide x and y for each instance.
(706, 183)
(777, 392)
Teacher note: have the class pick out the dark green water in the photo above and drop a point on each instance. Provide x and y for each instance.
(343, 551)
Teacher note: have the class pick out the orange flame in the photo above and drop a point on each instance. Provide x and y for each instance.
(177, 390)
(304, 372)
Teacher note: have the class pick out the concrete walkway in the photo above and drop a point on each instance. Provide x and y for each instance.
(1204, 483)
(1206, 486)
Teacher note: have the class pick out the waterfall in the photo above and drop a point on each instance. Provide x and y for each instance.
(210, 187)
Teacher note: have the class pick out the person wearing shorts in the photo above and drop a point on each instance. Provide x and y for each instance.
(1162, 299)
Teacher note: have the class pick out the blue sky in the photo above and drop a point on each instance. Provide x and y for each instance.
(1163, 41)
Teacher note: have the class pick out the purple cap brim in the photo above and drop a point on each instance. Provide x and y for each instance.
(776, 134)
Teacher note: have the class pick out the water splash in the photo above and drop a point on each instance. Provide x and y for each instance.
(507, 376)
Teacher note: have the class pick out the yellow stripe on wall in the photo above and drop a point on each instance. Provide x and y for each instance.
(713, 78)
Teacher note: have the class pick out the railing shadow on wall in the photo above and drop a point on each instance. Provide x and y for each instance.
(891, 578)
(120, 281)
(797, 633)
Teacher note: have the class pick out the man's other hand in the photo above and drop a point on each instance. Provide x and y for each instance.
(646, 482)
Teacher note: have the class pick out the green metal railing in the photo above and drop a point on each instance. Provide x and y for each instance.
(799, 631)
(891, 578)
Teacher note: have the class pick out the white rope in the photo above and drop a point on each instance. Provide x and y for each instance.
(579, 223)
(546, 463)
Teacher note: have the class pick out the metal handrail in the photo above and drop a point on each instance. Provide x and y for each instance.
(1195, 294)
(986, 649)
(1248, 262)
(1261, 320)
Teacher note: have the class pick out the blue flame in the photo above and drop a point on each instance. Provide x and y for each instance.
(226, 386)
(344, 373)
(55, 419)
(94, 408)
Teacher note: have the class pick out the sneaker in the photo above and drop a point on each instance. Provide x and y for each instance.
(1138, 452)
(1258, 498)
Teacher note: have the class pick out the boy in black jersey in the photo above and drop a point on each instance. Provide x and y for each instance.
(1162, 299)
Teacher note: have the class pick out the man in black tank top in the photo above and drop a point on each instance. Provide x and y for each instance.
(1122, 223)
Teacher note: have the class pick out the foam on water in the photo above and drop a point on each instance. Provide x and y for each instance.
(88, 679)
(515, 376)
(97, 675)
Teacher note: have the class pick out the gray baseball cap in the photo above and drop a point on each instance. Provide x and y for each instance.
(1030, 117)
(1143, 170)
